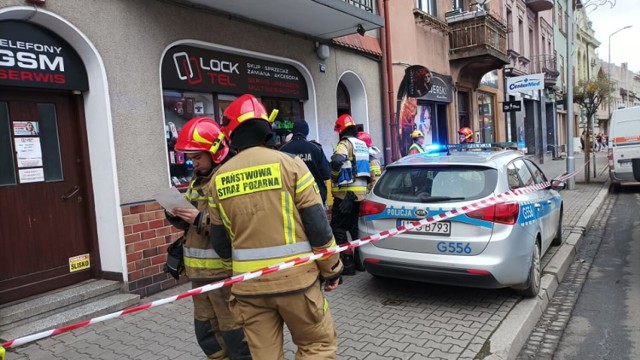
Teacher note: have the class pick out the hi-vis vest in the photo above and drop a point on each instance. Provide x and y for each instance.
(417, 147)
(201, 262)
(355, 172)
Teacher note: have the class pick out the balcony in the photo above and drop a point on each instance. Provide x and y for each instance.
(546, 64)
(540, 5)
(477, 43)
(319, 19)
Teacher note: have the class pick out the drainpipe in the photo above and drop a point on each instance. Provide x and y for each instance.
(390, 129)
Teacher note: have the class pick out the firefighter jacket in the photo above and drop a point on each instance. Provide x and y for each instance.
(415, 148)
(374, 165)
(269, 206)
(313, 157)
(354, 173)
(201, 262)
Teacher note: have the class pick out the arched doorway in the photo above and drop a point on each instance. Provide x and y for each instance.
(352, 99)
(343, 99)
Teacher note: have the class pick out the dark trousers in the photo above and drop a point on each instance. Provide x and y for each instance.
(341, 223)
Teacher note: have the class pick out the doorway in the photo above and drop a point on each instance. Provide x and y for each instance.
(47, 230)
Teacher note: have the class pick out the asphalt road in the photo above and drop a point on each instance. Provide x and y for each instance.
(605, 323)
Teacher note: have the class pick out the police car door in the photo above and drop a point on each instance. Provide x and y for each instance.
(530, 202)
(549, 210)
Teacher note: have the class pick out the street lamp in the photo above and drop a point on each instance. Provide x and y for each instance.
(609, 63)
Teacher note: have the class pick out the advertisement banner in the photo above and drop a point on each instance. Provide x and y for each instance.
(202, 70)
(416, 82)
(525, 84)
(32, 56)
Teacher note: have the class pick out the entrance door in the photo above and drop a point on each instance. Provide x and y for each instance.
(46, 201)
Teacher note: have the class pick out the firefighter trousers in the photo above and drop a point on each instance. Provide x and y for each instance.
(213, 317)
(306, 315)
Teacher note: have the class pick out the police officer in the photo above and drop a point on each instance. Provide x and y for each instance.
(266, 209)
(418, 140)
(312, 155)
(350, 176)
(203, 141)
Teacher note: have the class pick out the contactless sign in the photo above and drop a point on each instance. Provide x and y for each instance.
(31, 56)
(195, 69)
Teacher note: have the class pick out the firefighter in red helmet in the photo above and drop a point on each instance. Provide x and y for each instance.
(266, 209)
(218, 333)
(350, 178)
(465, 135)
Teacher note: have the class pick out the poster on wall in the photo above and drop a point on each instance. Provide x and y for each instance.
(31, 175)
(21, 128)
(415, 83)
(29, 152)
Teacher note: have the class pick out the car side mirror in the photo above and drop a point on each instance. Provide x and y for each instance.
(558, 185)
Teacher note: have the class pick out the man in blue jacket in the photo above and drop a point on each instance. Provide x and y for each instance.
(312, 155)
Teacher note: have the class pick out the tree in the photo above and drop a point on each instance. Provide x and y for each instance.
(590, 94)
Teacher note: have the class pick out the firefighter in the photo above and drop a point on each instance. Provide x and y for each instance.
(418, 140)
(350, 176)
(374, 163)
(266, 209)
(465, 135)
(218, 333)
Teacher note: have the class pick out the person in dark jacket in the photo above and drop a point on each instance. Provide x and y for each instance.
(311, 153)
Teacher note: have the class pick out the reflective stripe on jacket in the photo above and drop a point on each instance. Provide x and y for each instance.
(201, 262)
(415, 148)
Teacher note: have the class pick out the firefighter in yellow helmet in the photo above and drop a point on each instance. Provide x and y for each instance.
(218, 332)
(266, 209)
(418, 140)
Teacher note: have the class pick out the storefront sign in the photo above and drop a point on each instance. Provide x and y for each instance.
(440, 89)
(31, 56)
(512, 106)
(195, 69)
(525, 83)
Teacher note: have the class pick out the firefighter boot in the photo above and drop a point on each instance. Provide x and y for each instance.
(349, 264)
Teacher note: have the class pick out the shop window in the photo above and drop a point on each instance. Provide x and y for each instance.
(463, 109)
(180, 107)
(48, 128)
(486, 117)
(288, 112)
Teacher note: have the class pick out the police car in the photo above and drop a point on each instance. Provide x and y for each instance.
(494, 247)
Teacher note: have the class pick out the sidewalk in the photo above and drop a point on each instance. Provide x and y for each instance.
(375, 319)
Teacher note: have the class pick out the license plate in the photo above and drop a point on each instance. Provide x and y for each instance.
(436, 228)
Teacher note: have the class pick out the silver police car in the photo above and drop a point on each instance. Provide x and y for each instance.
(497, 246)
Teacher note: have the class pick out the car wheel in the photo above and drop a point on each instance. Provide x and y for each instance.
(532, 286)
(557, 241)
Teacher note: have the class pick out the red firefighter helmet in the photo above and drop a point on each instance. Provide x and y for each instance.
(365, 137)
(203, 134)
(343, 122)
(244, 108)
(468, 134)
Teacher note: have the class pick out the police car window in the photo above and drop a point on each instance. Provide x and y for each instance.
(512, 176)
(538, 175)
(526, 178)
(426, 184)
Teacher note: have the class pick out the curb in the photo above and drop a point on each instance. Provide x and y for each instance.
(507, 340)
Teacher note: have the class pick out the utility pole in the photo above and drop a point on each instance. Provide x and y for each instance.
(571, 164)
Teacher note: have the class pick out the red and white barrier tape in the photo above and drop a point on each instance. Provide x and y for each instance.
(492, 200)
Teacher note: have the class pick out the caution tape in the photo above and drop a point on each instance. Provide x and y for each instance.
(489, 201)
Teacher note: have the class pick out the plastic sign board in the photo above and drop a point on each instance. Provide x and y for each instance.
(525, 83)
(512, 106)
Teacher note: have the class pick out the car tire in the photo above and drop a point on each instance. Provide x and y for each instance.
(532, 286)
(557, 240)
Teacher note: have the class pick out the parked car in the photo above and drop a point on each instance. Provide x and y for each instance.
(497, 246)
(624, 146)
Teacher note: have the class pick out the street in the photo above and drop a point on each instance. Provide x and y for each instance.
(594, 314)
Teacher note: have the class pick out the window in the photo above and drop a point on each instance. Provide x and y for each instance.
(538, 175)
(524, 175)
(509, 30)
(458, 4)
(486, 117)
(7, 168)
(521, 36)
(428, 6)
(432, 183)
(560, 21)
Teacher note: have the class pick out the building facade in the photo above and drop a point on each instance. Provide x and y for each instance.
(586, 60)
(108, 95)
